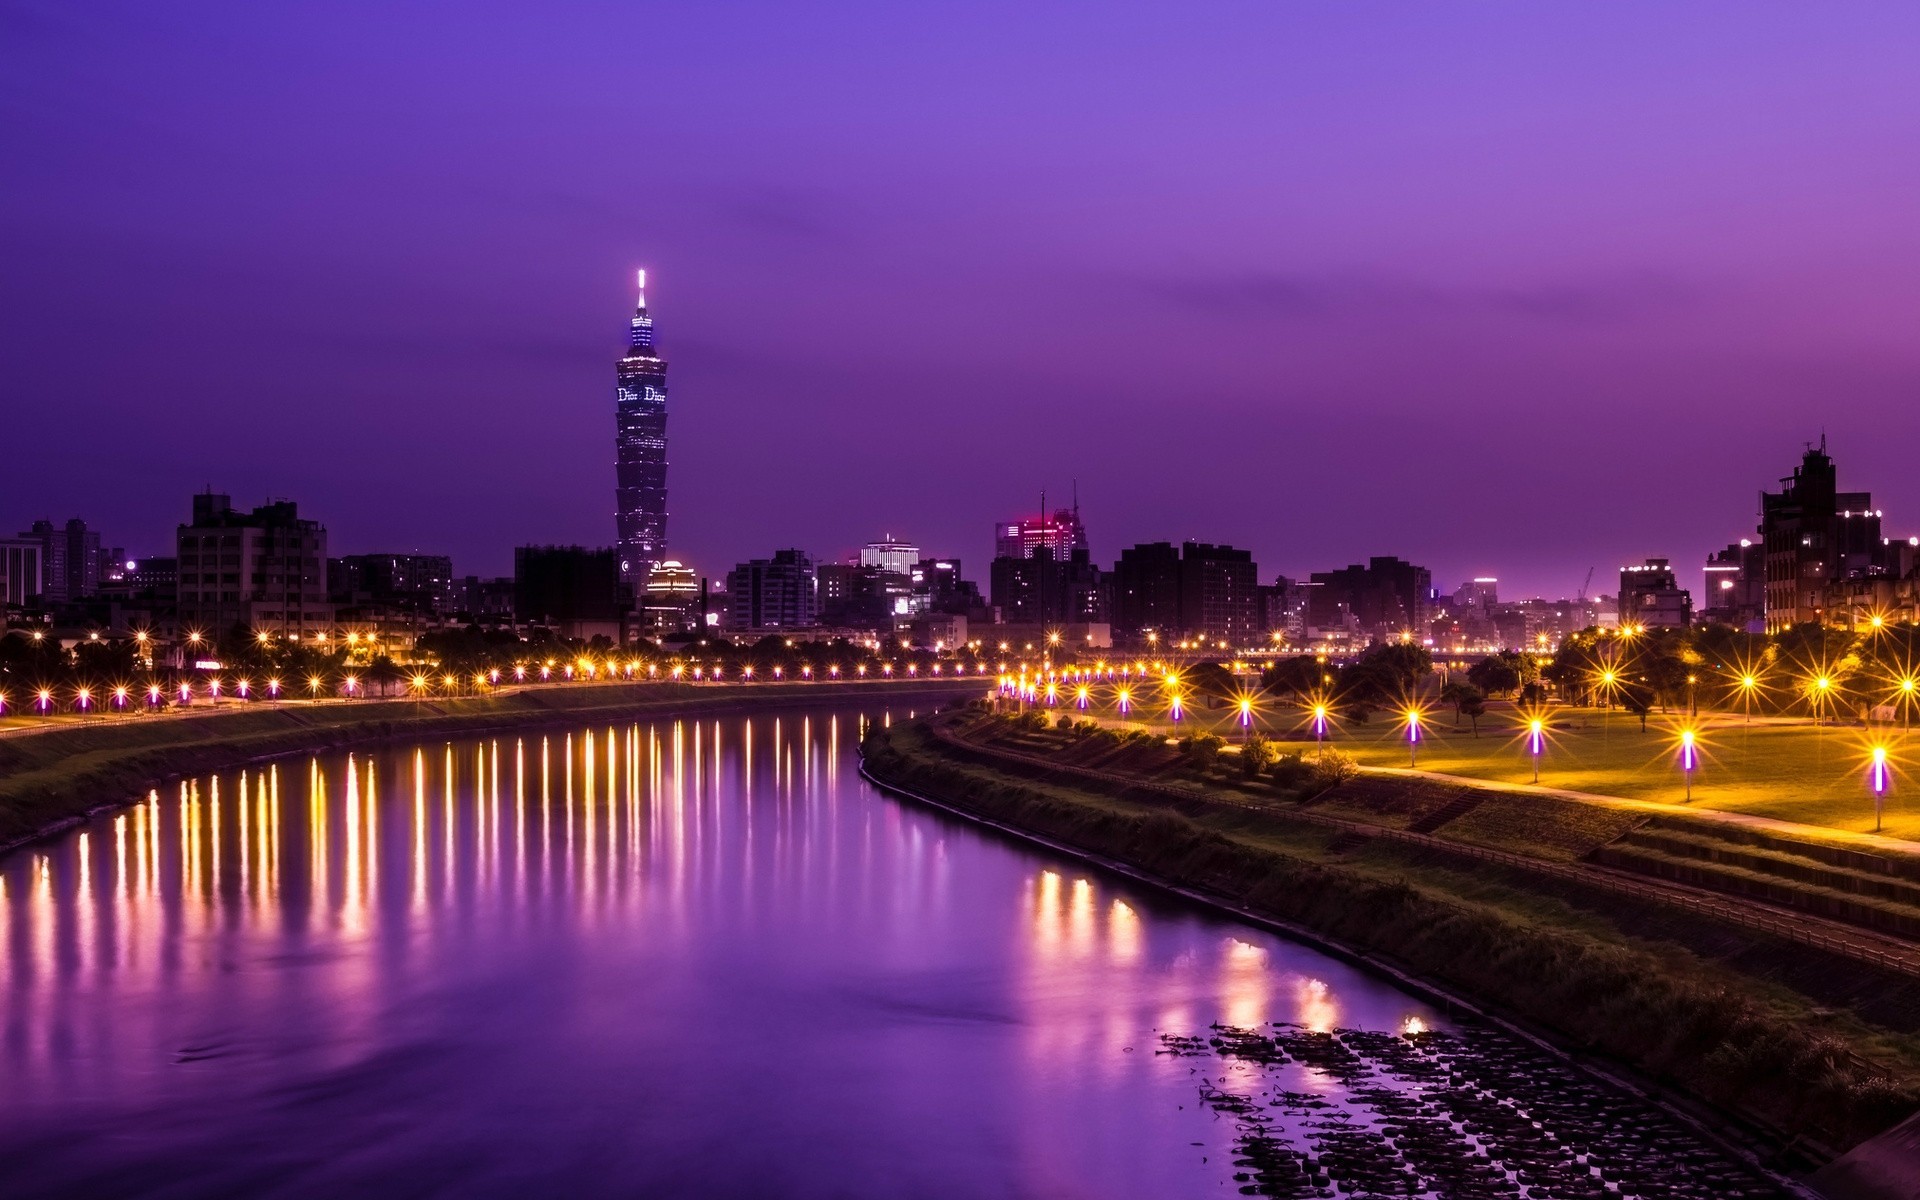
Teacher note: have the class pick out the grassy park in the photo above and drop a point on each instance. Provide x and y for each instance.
(1785, 768)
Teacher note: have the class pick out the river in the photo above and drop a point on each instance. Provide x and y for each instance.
(705, 958)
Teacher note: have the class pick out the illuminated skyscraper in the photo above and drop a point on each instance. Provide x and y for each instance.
(640, 449)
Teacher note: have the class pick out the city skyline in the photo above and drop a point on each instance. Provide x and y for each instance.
(1543, 336)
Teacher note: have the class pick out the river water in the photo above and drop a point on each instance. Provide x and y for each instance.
(696, 958)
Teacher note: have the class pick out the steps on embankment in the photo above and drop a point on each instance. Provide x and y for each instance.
(1875, 891)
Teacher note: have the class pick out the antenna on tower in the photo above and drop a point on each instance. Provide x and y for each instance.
(640, 285)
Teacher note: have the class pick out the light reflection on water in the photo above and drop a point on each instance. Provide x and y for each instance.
(688, 957)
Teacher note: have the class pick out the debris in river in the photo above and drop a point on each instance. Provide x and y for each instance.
(1468, 1115)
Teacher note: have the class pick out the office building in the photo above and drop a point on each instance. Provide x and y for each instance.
(774, 593)
(895, 557)
(263, 571)
(640, 451)
(1651, 598)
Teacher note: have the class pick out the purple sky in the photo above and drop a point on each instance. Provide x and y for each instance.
(1511, 289)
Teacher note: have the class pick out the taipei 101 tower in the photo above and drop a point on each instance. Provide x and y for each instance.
(640, 451)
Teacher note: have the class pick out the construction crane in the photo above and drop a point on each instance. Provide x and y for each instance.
(1583, 587)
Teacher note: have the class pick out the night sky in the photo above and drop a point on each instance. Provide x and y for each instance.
(1512, 289)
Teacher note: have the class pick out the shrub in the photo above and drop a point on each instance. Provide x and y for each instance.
(1330, 768)
(1291, 770)
(1256, 756)
(1203, 748)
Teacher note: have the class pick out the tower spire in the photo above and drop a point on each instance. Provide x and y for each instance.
(640, 288)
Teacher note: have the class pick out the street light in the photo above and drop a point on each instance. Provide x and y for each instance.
(1880, 779)
(1749, 683)
(1536, 743)
(1414, 733)
(1689, 759)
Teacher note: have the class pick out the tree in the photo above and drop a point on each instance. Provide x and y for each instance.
(1459, 695)
(1637, 699)
(1400, 665)
(1475, 707)
(1301, 675)
(1497, 673)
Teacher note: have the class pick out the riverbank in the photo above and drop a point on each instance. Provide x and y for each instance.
(1632, 985)
(51, 779)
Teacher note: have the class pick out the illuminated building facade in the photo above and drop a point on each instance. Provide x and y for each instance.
(640, 452)
(1062, 533)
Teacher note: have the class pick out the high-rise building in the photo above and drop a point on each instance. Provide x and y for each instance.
(640, 451)
(263, 571)
(1202, 590)
(1146, 589)
(1386, 599)
(1283, 608)
(69, 560)
(20, 570)
(1219, 593)
(773, 593)
(1814, 534)
(1042, 590)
